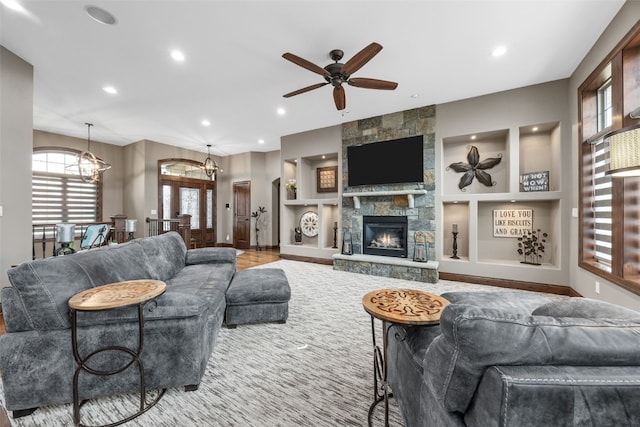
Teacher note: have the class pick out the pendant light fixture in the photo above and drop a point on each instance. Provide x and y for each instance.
(89, 166)
(210, 166)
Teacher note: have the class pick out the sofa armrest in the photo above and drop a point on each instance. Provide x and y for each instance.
(211, 256)
(563, 396)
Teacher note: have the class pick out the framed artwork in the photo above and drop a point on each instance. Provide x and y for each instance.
(327, 179)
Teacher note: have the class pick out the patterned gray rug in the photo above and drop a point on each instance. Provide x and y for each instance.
(315, 370)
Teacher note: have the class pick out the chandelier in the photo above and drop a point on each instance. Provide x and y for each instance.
(209, 166)
(89, 166)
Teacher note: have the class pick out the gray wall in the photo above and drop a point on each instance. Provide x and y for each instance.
(16, 142)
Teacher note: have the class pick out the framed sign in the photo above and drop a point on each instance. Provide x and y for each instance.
(512, 222)
(534, 181)
(327, 179)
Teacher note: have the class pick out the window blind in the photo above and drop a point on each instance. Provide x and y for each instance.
(601, 205)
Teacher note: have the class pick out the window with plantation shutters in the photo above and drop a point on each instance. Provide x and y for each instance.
(58, 193)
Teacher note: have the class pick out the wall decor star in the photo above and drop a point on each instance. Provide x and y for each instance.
(475, 168)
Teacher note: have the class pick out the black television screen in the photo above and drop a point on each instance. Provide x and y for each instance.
(389, 162)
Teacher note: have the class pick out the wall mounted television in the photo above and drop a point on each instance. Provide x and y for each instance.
(396, 161)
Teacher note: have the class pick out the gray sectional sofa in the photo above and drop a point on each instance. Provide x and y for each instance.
(517, 358)
(36, 358)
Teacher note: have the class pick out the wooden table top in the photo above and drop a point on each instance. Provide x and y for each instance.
(406, 306)
(120, 294)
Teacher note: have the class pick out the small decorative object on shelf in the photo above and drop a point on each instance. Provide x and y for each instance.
(335, 235)
(420, 247)
(346, 243)
(531, 246)
(257, 214)
(454, 231)
(309, 224)
(291, 189)
(298, 235)
(475, 168)
(534, 181)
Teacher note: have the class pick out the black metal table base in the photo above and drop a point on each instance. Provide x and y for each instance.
(135, 359)
(381, 391)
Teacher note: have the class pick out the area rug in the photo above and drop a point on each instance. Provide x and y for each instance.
(315, 370)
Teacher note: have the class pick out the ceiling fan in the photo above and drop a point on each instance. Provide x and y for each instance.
(338, 73)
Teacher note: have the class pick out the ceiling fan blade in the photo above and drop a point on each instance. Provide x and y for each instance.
(361, 58)
(305, 64)
(372, 83)
(339, 97)
(304, 89)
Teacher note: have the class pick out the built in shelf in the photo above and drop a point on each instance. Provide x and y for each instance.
(409, 193)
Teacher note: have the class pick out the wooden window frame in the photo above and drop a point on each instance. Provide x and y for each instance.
(622, 61)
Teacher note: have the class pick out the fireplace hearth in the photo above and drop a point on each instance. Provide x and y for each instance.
(385, 236)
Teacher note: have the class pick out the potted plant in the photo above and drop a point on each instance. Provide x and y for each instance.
(291, 189)
(257, 214)
(531, 246)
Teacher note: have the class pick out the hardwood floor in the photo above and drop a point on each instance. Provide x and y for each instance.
(250, 258)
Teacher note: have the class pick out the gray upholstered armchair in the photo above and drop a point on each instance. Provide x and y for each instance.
(516, 358)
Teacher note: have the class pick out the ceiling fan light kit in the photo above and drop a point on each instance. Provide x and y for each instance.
(338, 73)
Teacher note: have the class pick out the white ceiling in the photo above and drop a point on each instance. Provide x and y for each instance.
(234, 74)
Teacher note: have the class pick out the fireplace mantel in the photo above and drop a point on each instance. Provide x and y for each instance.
(409, 193)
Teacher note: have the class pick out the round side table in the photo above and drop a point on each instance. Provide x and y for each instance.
(106, 297)
(401, 306)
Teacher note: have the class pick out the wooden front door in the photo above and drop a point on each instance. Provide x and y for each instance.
(196, 198)
(242, 215)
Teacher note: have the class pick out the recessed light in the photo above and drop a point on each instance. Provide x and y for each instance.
(535, 128)
(110, 90)
(324, 157)
(177, 55)
(261, 141)
(473, 137)
(100, 15)
(415, 95)
(13, 5)
(499, 51)
(206, 122)
(281, 111)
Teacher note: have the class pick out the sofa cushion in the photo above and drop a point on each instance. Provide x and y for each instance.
(474, 338)
(164, 255)
(585, 308)
(44, 286)
(516, 300)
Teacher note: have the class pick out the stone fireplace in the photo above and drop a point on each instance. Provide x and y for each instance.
(415, 203)
(384, 235)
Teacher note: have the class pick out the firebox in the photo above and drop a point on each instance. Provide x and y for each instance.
(384, 235)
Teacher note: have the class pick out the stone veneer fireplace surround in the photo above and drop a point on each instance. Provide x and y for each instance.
(416, 202)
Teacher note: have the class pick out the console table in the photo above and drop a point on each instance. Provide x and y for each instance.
(106, 297)
(401, 306)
